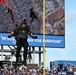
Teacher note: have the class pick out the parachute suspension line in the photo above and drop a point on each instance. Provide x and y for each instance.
(44, 36)
(34, 5)
(6, 5)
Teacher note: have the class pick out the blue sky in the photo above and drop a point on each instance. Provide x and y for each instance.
(69, 52)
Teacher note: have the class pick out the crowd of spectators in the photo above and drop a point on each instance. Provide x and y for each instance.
(23, 70)
(64, 70)
(21, 10)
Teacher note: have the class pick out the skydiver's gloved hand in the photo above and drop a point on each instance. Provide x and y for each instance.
(35, 37)
(9, 36)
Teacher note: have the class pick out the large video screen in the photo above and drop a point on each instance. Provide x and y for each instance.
(15, 11)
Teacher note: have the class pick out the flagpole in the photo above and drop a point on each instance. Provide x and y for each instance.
(44, 38)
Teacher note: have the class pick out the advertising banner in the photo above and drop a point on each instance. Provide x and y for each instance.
(53, 41)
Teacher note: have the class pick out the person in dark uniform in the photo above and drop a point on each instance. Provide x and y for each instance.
(21, 35)
(32, 15)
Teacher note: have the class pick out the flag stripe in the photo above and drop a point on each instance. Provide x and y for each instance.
(1, 1)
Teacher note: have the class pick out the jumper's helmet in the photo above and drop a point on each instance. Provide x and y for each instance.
(24, 22)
